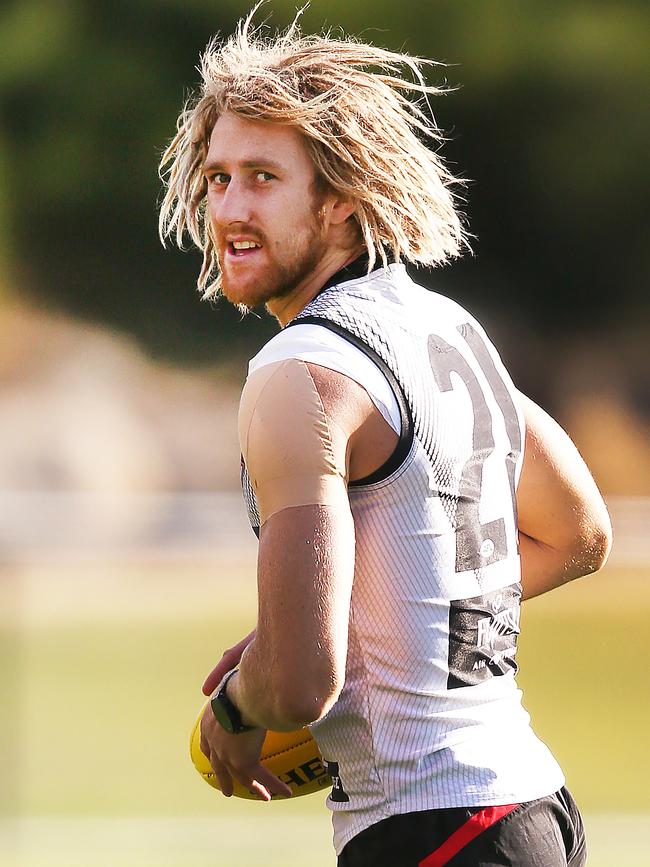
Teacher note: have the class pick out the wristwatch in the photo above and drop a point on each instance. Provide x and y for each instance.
(225, 712)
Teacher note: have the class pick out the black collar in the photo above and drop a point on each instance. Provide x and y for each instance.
(352, 271)
(355, 269)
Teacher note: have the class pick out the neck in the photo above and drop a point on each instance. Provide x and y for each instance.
(289, 306)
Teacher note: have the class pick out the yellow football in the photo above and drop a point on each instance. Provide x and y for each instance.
(291, 756)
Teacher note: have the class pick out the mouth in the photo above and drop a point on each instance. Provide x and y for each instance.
(242, 249)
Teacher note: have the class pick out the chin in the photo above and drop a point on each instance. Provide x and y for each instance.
(243, 296)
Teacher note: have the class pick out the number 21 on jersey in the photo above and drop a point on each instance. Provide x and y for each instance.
(477, 544)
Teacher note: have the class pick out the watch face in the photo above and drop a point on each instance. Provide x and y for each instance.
(221, 714)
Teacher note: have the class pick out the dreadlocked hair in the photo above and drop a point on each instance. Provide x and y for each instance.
(365, 117)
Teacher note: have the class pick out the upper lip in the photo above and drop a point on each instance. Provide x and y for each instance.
(230, 239)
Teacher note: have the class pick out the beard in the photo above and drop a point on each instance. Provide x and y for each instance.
(280, 276)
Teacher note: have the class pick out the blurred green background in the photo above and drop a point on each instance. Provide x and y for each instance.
(125, 563)
(109, 687)
(548, 121)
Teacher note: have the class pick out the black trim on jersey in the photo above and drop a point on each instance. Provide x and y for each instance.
(407, 428)
(353, 271)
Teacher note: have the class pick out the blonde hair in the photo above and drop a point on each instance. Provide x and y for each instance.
(367, 139)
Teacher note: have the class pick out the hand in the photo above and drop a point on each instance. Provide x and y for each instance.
(230, 659)
(237, 757)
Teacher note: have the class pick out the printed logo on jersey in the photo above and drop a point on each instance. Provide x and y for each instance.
(338, 793)
(483, 634)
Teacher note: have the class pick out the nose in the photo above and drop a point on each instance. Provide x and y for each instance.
(232, 205)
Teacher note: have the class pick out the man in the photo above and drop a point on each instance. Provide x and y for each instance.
(403, 491)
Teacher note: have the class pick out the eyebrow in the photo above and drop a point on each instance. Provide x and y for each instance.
(254, 163)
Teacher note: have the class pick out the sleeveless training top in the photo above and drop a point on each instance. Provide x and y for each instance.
(430, 715)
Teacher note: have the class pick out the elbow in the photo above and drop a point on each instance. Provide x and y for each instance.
(600, 545)
(596, 545)
(298, 703)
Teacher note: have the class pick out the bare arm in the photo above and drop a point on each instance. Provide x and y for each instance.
(564, 527)
(293, 671)
(297, 454)
(293, 667)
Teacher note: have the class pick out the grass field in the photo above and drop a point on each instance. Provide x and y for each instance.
(101, 682)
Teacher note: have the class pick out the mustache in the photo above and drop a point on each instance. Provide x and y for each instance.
(246, 229)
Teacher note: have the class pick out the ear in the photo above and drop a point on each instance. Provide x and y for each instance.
(340, 209)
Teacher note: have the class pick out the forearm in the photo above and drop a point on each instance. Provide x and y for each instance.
(281, 707)
(544, 568)
(257, 704)
(564, 528)
(245, 690)
(293, 671)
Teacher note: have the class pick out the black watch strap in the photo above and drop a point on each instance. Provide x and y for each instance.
(225, 712)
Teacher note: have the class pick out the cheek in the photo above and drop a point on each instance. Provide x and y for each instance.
(299, 220)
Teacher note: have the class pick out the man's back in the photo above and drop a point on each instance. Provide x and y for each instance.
(434, 612)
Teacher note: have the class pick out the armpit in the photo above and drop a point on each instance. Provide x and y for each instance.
(287, 440)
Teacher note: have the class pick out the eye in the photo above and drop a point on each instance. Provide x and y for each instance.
(218, 179)
(264, 177)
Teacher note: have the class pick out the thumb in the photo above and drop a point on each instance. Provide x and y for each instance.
(228, 661)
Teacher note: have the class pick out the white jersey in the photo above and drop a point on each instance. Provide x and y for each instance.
(430, 715)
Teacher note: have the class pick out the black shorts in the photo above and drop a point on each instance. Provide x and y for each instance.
(546, 832)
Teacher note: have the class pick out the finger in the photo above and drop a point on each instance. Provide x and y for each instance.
(251, 783)
(228, 661)
(212, 681)
(261, 791)
(260, 779)
(222, 775)
(272, 783)
(207, 723)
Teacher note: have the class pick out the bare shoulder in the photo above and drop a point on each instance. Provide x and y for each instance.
(344, 400)
(284, 393)
(284, 400)
(276, 393)
(369, 439)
